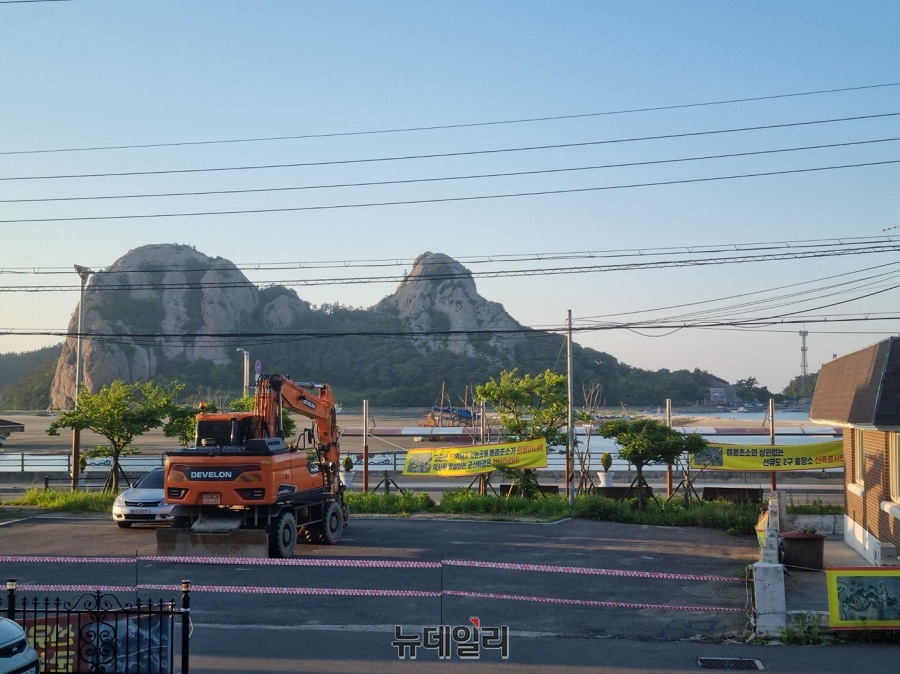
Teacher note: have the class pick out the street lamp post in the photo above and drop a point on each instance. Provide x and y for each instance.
(84, 273)
(246, 371)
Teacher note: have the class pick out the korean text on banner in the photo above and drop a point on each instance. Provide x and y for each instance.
(475, 459)
(770, 457)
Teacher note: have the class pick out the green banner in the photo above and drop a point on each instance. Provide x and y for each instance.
(475, 459)
(771, 457)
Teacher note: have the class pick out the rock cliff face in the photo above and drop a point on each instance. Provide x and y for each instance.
(149, 311)
(164, 289)
(439, 295)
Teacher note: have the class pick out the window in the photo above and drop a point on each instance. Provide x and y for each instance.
(894, 465)
(858, 456)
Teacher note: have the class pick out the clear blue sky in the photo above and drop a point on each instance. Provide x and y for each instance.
(100, 73)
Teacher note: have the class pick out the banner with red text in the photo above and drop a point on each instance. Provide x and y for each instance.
(475, 459)
(771, 457)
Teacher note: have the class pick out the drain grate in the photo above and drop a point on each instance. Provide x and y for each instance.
(731, 664)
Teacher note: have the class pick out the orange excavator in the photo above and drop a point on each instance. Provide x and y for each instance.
(241, 490)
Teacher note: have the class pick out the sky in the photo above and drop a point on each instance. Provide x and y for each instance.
(614, 116)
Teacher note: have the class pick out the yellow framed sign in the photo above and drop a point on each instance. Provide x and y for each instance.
(475, 459)
(863, 597)
(813, 456)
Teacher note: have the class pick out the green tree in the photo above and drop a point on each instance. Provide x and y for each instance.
(119, 412)
(749, 389)
(795, 388)
(647, 441)
(182, 422)
(528, 407)
(248, 404)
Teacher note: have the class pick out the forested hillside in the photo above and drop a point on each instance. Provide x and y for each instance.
(25, 378)
(384, 369)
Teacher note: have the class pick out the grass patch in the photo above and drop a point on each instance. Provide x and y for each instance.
(815, 508)
(737, 519)
(805, 630)
(68, 501)
(392, 504)
(463, 501)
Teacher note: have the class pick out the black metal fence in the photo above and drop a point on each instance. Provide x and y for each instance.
(97, 632)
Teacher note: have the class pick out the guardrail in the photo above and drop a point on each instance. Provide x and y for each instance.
(25, 462)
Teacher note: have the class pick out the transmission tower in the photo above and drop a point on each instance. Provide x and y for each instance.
(804, 365)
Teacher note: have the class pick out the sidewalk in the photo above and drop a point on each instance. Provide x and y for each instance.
(807, 591)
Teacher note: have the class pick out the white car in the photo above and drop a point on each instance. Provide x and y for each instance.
(144, 501)
(16, 654)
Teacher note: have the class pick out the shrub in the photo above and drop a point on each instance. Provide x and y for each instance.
(735, 518)
(393, 503)
(461, 501)
(70, 501)
(815, 508)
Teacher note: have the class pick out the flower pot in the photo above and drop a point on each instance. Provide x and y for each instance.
(605, 478)
(347, 479)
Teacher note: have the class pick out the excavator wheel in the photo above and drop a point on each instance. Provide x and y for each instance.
(283, 536)
(334, 523)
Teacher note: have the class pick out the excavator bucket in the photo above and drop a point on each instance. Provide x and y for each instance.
(213, 535)
(187, 543)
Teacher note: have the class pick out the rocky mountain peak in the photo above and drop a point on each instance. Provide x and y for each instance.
(146, 316)
(439, 295)
(163, 289)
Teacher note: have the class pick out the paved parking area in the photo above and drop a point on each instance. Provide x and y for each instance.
(571, 578)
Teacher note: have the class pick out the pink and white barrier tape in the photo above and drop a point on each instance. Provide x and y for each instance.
(354, 592)
(371, 564)
(585, 602)
(583, 570)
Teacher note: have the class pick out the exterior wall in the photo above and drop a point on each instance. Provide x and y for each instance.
(870, 529)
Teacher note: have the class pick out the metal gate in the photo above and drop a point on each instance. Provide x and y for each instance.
(97, 632)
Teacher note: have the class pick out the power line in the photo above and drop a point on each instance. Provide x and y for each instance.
(494, 258)
(839, 248)
(230, 337)
(766, 303)
(441, 127)
(749, 294)
(478, 176)
(436, 200)
(444, 155)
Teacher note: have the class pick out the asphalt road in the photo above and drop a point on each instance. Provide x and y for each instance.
(640, 603)
(546, 603)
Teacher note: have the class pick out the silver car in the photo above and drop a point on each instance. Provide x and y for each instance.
(16, 654)
(144, 501)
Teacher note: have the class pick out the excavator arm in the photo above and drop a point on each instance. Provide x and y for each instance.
(314, 401)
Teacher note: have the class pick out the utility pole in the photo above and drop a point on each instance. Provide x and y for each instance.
(246, 371)
(570, 445)
(84, 273)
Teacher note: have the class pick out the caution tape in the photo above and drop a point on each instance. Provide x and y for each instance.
(587, 602)
(259, 561)
(330, 591)
(584, 570)
(372, 564)
(67, 560)
(356, 592)
(28, 587)
(296, 561)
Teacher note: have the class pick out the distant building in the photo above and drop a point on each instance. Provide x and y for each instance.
(720, 393)
(861, 393)
(717, 394)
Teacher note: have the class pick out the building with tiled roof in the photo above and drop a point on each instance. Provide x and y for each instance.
(861, 393)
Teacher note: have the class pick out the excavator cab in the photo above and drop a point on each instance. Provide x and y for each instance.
(221, 430)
